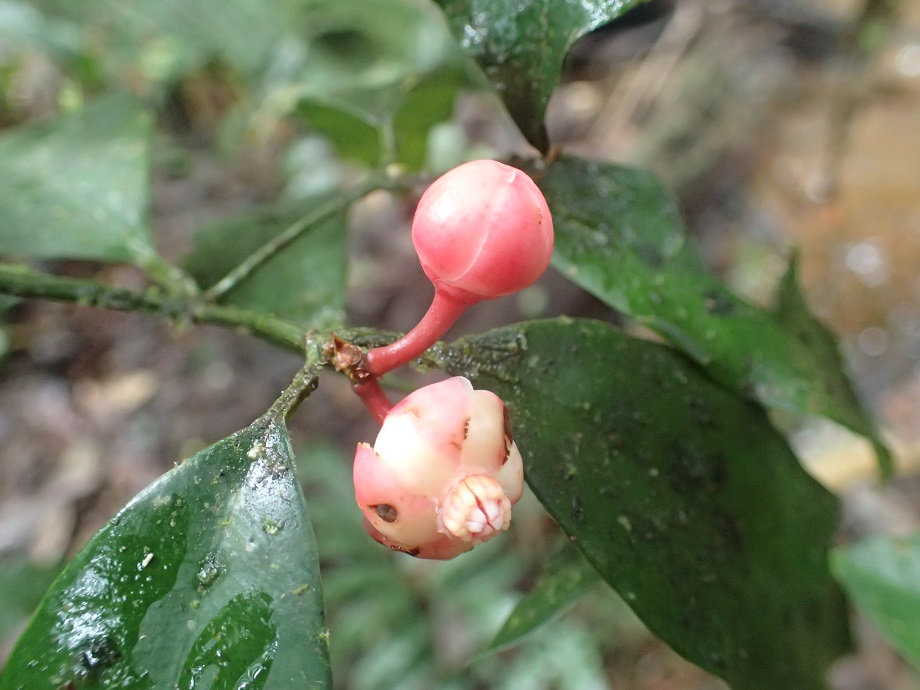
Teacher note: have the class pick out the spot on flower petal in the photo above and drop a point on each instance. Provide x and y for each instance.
(384, 511)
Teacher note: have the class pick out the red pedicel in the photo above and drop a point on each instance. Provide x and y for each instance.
(481, 231)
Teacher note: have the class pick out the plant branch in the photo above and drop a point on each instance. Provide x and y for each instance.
(304, 383)
(387, 134)
(22, 281)
(171, 278)
(321, 213)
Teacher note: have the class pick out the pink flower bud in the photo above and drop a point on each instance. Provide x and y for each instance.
(483, 230)
(443, 473)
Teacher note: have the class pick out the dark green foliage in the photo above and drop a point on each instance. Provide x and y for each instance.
(680, 494)
(658, 461)
(521, 47)
(619, 237)
(207, 577)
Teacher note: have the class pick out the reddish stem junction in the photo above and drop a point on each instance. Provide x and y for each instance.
(441, 315)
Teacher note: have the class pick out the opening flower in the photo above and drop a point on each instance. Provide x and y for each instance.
(443, 473)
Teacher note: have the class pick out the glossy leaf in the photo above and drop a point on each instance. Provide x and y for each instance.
(521, 47)
(77, 187)
(882, 575)
(618, 235)
(567, 578)
(208, 578)
(303, 284)
(679, 492)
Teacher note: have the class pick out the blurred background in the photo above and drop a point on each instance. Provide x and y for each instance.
(778, 124)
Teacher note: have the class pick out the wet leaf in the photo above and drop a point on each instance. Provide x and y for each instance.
(303, 284)
(521, 47)
(208, 578)
(882, 575)
(567, 578)
(618, 235)
(78, 187)
(679, 492)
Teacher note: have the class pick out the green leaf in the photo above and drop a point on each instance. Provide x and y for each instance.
(567, 578)
(838, 399)
(208, 578)
(160, 42)
(426, 102)
(366, 67)
(353, 137)
(77, 187)
(22, 28)
(304, 283)
(680, 493)
(521, 47)
(393, 78)
(618, 235)
(192, 33)
(22, 585)
(882, 575)
(429, 102)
